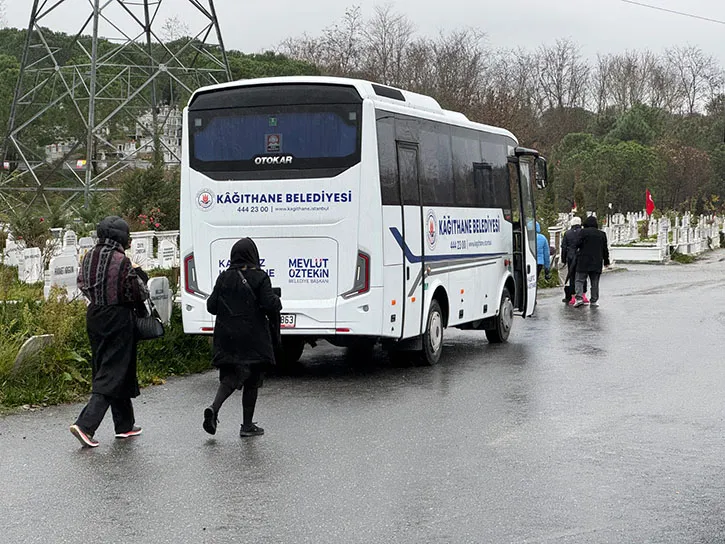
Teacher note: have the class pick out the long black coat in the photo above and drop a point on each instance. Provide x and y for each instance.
(569, 245)
(114, 289)
(241, 331)
(593, 250)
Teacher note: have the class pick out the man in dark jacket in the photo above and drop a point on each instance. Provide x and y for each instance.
(115, 288)
(244, 303)
(593, 252)
(568, 256)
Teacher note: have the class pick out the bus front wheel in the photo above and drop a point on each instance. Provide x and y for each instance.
(433, 336)
(503, 321)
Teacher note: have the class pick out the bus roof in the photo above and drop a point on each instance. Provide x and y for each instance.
(382, 95)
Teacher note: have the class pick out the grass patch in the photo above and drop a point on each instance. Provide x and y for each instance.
(543, 283)
(682, 258)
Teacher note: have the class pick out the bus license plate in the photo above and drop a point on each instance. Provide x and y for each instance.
(288, 321)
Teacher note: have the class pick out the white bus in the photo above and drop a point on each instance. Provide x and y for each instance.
(379, 215)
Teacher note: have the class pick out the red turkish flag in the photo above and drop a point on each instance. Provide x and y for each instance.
(650, 204)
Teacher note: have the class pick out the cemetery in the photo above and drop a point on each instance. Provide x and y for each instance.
(637, 238)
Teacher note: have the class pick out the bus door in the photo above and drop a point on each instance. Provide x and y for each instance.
(413, 258)
(524, 226)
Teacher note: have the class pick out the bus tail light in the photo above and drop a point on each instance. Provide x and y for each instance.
(190, 282)
(362, 276)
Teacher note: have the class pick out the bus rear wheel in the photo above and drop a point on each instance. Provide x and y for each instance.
(503, 321)
(433, 336)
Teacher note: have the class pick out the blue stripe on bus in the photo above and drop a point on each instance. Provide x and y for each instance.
(414, 259)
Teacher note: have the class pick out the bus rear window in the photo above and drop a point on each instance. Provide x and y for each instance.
(264, 142)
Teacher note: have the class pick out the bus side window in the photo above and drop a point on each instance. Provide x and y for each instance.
(388, 160)
(436, 174)
(466, 153)
(485, 193)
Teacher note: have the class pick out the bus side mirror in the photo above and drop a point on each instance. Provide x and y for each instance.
(540, 172)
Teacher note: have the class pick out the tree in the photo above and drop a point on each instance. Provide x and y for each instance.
(638, 124)
(563, 75)
(174, 28)
(386, 39)
(698, 75)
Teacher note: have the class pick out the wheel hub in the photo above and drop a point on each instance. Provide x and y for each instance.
(507, 314)
(436, 332)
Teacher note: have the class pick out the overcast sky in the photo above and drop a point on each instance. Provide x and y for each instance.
(599, 26)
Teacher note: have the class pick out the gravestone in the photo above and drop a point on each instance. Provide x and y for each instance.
(70, 243)
(30, 348)
(85, 244)
(32, 265)
(167, 254)
(64, 273)
(12, 253)
(161, 297)
(142, 245)
(46, 284)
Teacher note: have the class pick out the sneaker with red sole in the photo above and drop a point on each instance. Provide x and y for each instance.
(572, 301)
(585, 299)
(128, 434)
(86, 439)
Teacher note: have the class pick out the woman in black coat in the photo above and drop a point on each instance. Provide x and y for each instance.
(592, 254)
(244, 303)
(116, 289)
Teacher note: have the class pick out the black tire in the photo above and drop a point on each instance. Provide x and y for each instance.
(288, 356)
(433, 336)
(503, 321)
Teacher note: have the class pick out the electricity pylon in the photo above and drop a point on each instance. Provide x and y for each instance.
(89, 105)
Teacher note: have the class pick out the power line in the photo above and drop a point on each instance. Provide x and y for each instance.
(691, 15)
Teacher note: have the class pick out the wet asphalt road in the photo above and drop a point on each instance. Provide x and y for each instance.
(590, 425)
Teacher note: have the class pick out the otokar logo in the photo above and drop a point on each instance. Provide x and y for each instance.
(205, 199)
(273, 161)
(431, 229)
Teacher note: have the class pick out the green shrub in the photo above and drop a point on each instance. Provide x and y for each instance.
(682, 258)
(543, 283)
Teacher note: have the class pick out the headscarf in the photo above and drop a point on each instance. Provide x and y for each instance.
(245, 254)
(114, 228)
(591, 222)
(576, 221)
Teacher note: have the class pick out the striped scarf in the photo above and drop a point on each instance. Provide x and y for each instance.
(107, 278)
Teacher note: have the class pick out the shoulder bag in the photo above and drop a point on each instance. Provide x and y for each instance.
(273, 325)
(151, 326)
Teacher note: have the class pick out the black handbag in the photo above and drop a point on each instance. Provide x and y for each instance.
(149, 327)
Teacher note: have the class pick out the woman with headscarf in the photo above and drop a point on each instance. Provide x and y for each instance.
(116, 290)
(244, 303)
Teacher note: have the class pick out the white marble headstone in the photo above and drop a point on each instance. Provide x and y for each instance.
(160, 293)
(64, 273)
(85, 244)
(70, 242)
(33, 265)
(142, 245)
(167, 254)
(12, 253)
